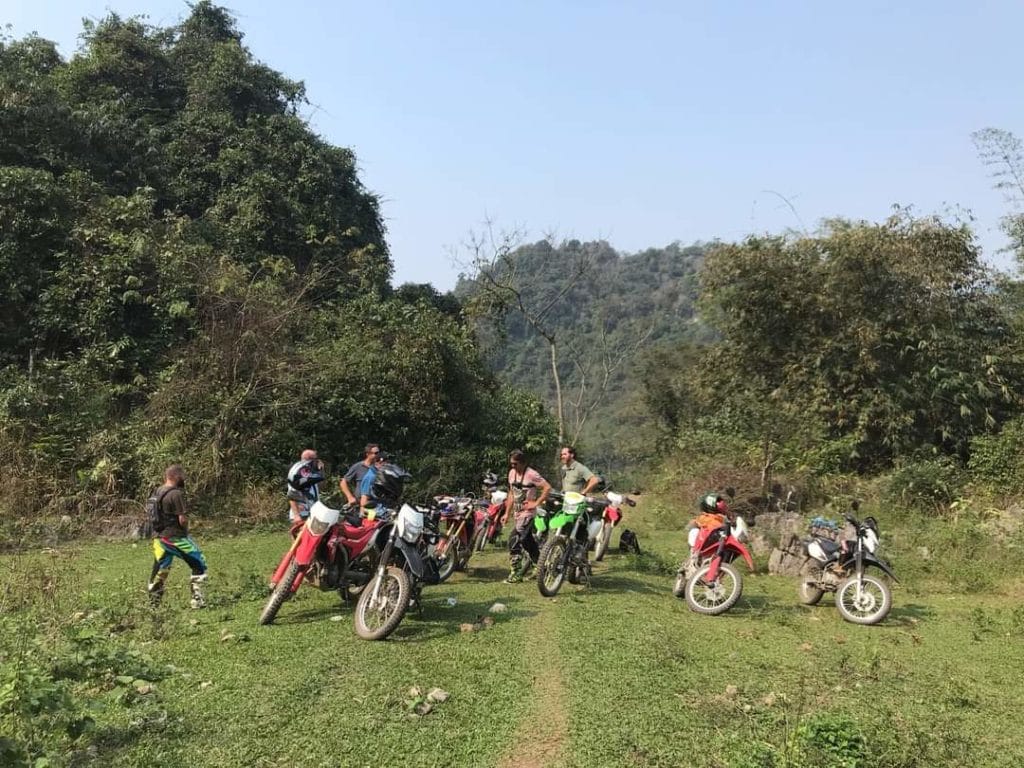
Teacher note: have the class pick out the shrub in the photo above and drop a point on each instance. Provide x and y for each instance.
(928, 485)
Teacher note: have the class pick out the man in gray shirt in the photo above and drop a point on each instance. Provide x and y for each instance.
(575, 476)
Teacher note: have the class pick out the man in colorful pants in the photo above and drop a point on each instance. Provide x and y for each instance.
(171, 539)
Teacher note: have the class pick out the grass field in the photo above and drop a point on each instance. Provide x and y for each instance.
(621, 674)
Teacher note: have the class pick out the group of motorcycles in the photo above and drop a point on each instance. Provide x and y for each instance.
(382, 558)
(711, 584)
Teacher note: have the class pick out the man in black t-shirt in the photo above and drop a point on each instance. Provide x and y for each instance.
(171, 539)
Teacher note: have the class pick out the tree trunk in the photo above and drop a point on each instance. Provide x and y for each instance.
(558, 393)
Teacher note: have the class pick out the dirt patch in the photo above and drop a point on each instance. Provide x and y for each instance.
(541, 735)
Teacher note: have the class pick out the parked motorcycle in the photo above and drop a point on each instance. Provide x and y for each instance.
(611, 516)
(861, 596)
(453, 548)
(706, 578)
(487, 519)
(569, 532)
(404, 567)
(328, 551)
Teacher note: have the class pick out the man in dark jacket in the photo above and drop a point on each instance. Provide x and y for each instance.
(171, 539)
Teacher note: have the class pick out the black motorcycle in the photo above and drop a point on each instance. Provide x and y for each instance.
(841, 567)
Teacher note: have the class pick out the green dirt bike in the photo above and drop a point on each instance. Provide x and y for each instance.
(569, 531)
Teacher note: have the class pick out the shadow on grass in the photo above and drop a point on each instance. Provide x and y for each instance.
(616, 582)
(909, 615)
(437, 619)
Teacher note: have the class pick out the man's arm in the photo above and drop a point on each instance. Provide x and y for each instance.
(343, 485)
(545, 488)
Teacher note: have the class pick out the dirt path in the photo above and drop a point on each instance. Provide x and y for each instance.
(541, 735)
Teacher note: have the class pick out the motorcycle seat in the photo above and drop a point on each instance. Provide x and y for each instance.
(828, 546)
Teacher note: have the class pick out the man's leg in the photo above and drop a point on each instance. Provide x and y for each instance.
(161, 567)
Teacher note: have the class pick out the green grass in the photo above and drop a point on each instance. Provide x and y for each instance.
(635, 677)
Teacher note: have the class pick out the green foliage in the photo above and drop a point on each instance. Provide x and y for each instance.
(997, 461)
(890, 334)
(188, 273)
(926, 485)
(829, 739)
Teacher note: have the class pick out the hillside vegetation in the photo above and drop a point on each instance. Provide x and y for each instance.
(188, 273)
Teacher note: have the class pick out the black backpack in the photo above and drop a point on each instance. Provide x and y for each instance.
(628, 542)
(154, 509)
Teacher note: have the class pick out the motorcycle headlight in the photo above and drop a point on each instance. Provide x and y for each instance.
(318, 527)
(871, 541)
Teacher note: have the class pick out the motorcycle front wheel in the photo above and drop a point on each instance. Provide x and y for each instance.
(449, 560)
(868, 606)
(550, 573)
(376, 619)
(480, 538)
(603, 540)
(714, 598)
(282, 590)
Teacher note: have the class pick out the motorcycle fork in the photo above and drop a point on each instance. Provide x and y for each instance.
(382, 566)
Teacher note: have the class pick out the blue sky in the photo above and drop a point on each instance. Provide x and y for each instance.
(640, 123)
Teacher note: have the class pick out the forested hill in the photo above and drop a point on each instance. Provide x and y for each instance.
(608, 312)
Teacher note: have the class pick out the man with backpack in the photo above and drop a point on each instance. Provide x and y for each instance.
(168, 517)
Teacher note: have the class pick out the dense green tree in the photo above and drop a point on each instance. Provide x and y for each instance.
(888, 336)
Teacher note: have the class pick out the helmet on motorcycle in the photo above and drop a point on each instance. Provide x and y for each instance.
(490, 480)
(713, 503)
(305, 474)
(389, 483)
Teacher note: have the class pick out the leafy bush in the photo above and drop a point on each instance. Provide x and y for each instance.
(829, 739)
(997, 461)
(928, 485)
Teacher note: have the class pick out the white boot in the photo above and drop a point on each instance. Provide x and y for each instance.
(197, 593)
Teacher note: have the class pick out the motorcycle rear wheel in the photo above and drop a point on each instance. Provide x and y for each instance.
(873, 604)
(810, 576)
(282, 591)
(378, 621)
(603, 540)
(713, 599)
(679, 588)
(550, 573)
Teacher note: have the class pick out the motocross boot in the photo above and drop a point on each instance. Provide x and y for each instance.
(156, 588)
(526, 566)
(514, 574)
(197, 601)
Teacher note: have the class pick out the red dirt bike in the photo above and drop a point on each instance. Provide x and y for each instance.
(330, 552)
(487, 520)
(707, 579)
(611, 516)
(453, 548)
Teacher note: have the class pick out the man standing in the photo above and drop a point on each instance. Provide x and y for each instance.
(170, 537)
(303, 485)
(527, 490)
(354, 476)
(575, 476)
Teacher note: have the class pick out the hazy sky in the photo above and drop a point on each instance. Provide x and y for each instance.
(637, 122)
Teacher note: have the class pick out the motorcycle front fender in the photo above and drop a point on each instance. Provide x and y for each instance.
(737, 546)
(306, 546)
(881, 565)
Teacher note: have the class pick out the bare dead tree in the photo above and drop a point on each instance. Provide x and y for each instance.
(503, 289)
(608, 361)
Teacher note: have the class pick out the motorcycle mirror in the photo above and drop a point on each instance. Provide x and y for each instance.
(855, 505)
(730, 492)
